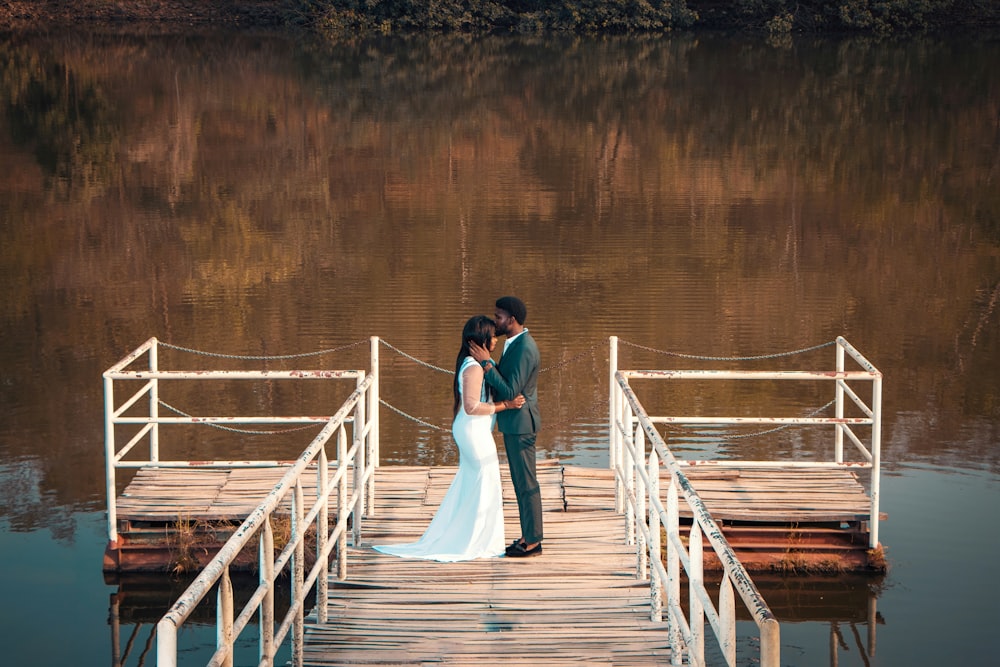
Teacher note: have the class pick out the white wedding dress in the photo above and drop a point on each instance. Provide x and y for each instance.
(469, 522)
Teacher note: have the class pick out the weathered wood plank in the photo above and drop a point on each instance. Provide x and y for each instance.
(583, 532)
(578, 603)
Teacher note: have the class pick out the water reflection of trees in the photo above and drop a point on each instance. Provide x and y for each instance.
(225, 191)
(58, 110)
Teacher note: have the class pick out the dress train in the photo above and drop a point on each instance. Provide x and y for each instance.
(469, 522)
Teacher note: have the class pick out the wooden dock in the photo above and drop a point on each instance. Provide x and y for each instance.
(176, 519)
(788, 520)
(577, 603)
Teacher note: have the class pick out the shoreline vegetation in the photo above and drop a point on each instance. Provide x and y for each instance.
(340, 18)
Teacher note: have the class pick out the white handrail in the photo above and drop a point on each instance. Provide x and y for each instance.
(222, 420)
(688, 631)
(857, 356)
(218, 568)
(872, 414)
(313, 374)
(638, 482)
(752, 375)
(133, 355)
(354, 467)
(153, 375)
(755, 420)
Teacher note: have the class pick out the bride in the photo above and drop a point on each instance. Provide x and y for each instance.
(469, 522)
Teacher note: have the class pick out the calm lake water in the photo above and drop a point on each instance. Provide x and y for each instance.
(252, 194)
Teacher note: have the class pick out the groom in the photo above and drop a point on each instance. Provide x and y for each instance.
(517, 373)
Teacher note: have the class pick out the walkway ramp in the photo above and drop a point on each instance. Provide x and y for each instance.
(577, 603)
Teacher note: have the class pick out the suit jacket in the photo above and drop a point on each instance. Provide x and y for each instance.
(517, 373)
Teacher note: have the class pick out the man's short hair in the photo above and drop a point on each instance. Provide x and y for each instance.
(514, 306)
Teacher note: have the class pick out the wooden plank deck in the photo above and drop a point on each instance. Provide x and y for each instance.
(730, 492)
(774, 494)
(774, 518)
(577, 603)
(200, 494)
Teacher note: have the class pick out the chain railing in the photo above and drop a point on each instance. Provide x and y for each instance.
(594, 410)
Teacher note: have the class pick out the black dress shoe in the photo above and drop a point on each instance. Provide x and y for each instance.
(518, 550)
(516, 544)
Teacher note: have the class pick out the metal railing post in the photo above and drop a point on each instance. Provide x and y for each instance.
(298, 573)
(770, 643)
(624, 431)
(615, 450)
(876, 459)
(614, 411)
(224, 622)
(110, 465)
(322, 534)
(628, 470)
(838, 436)
(358, 511)
(154, 403)
(342, 506)
(673, 569)
(696, 580)
(655, 585)
(166, 644)
(727, 619)
(267, 604)
(373, 413)
(642, 564)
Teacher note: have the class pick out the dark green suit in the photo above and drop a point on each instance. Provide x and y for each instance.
(517, 373)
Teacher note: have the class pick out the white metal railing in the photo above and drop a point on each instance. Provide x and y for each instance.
(638, 478)
(687, 634)
(867, 416)
(354, 466)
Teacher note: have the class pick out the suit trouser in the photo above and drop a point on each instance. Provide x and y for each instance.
(521, 459)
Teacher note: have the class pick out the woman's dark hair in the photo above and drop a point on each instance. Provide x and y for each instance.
(479, 329)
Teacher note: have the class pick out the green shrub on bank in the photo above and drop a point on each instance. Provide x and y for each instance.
(891, 15)
(631, 16)
(525, 16)
(874, 16)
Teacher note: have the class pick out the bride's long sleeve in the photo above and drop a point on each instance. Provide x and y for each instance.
(472, 388)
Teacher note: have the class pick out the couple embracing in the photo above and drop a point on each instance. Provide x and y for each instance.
(469, 523)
